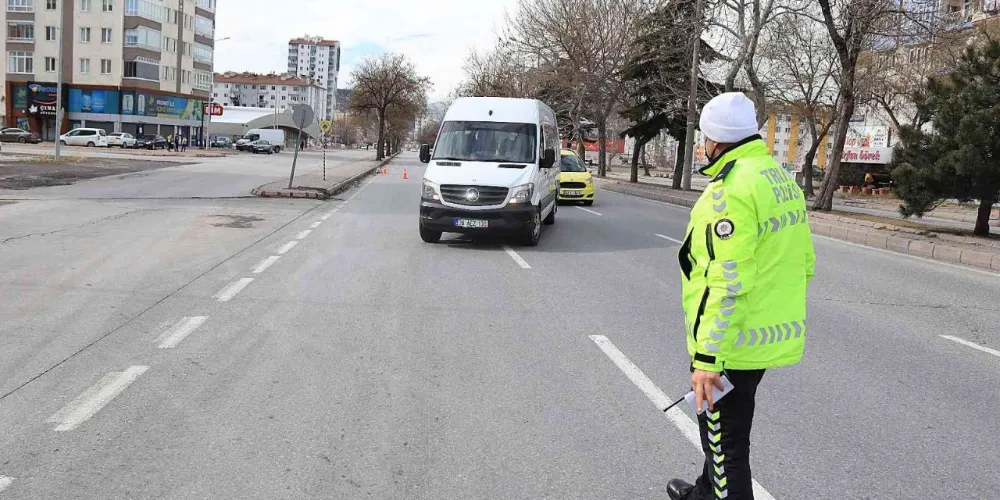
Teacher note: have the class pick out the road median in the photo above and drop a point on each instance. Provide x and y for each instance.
(339, 178)
(909, 239)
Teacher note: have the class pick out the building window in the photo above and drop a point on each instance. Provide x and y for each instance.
(105, 66)
(145, 8)
(50, 4)
(21, 62)
(84, 65)
(204, 26)
(283, 97)
(143, 37)
(50, 33)
(84, 5)
(142, 68)
(203, 53)
(20, 31)
(50, 64)
(105, 35)
(208, 5)
(108, 5)
(20, 5)
(85, 35)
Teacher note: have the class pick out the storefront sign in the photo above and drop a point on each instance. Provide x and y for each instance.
(93, 101)
(41, 99)
(867, 137)
(160, 106)
(867, 155)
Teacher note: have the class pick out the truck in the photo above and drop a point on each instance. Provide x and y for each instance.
(273, 135)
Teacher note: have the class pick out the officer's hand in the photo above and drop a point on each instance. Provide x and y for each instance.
(702, 383)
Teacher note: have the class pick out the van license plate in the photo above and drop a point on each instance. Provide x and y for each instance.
(472, 223)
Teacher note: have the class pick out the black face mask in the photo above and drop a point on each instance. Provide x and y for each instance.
(711, 155)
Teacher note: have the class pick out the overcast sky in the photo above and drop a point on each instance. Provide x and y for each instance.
(435, 34)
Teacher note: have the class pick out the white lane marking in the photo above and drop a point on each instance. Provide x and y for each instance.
(973, 345)
(517, 258)
(683, 423)
(286, 247)
(327, 216)
(658, 202)
(87, 405)
(266, 263)
(588, 210)
(180, 331)
(906, 255)
(303, 234)
(679, 242)
(5, 482)
(316, 224)
(226, 294)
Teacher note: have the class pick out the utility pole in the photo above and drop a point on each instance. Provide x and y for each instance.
(59, 84)
(692, 103)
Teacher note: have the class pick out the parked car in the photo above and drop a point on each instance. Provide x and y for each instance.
(122, 140)
(275, 136)
(222, 142)
(263, 146)
(151, 141)
(19, 135)
(90, 137)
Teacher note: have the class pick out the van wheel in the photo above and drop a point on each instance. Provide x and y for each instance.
(90, 144)
(551, 219)
(533, 232)
(429, 236)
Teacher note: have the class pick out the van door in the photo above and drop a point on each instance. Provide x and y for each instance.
(549, 177)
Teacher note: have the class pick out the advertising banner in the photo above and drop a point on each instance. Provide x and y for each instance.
(867, 137)
(93, 101)
(867, 155)
(41, 99)
(141, 103)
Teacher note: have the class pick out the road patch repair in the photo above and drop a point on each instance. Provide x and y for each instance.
(25, 171)
(910, 237)
(339, 178)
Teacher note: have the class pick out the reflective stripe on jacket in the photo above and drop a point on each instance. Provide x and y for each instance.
(746, 261)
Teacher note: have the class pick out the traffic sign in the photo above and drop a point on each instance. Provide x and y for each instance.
(212, 109)
(302, 115)
(325, 126)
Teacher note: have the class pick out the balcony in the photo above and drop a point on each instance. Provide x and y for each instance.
(20, 32)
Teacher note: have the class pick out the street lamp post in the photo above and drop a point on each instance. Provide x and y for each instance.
(211, 100)
(59, 84)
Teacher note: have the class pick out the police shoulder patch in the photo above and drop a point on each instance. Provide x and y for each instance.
(724, 229)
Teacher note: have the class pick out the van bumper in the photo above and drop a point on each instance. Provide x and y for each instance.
(437, 217)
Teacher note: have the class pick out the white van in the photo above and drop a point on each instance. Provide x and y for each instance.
(90, 137)
(275, 136)
(495, 168)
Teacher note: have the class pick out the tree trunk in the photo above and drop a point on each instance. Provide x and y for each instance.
(983, 218)
(636, 149)
(381, 136)
(645, 164)
(824, 201)
(602, 153)
(807, 171)
(581, 150)
(678, 164)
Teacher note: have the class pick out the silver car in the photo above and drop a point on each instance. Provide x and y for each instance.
(121, 139)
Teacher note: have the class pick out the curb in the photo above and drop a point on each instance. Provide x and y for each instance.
(895, 244)
(319, 193)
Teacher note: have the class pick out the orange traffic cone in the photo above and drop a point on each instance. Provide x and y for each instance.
(404, 174)
(385, 171)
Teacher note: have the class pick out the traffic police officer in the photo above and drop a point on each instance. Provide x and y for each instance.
(745, 263)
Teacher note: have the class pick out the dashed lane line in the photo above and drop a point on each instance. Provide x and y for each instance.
(286, 247)
(679, 242)
(326, 216)
(230, 291)
(517, 258)
(5, 481)
(973, 345)
(316, 224)
(677, 417)
(302, 235)
(180, 331)
(588, 210)
(87, 405)
(266, 263)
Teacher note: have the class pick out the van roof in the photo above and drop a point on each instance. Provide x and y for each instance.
(504, 109)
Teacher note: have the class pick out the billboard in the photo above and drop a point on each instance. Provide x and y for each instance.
(41, 99)
(142, 103)
(867, 137)
(93, 101)
(867, 155)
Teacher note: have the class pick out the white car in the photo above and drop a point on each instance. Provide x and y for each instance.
(121, 139)
(90, 137)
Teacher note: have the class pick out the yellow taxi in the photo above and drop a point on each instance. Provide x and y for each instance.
(575, 181)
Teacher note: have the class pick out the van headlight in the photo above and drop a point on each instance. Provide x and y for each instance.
(430, 191)
(522, 193)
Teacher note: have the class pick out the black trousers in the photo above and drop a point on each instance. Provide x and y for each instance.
(725, 438)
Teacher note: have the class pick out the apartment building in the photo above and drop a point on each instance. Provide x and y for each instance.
(138, 66)
(273, 91)
(318, 60)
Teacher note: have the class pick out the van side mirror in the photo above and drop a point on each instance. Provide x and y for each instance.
(548, 158)
(425, 153)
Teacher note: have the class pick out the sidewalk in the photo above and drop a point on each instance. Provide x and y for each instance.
(924, 242)
(339, 177)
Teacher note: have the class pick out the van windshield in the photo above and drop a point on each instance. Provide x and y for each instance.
(251, 137)
(487, 141)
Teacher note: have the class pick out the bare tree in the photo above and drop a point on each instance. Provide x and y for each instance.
(345, 130)
(500, 72)
(388, 84)
(802, 66)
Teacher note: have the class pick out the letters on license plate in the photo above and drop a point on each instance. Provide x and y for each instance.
(572, 192)
(472, 223)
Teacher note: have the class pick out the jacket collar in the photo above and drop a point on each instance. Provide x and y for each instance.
(750, 147)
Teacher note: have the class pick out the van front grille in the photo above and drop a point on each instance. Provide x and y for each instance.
(473, 195)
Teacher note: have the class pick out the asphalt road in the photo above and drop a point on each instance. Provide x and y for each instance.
(146, 357)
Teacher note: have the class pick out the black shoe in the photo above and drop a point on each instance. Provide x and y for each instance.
(678, 489)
